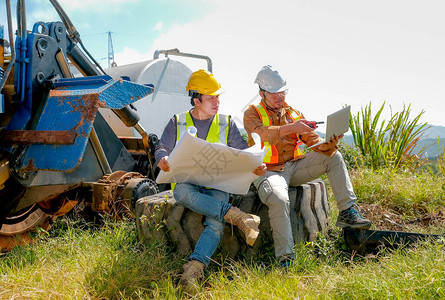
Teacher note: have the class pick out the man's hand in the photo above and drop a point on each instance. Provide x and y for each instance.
(261, 170)
(163, 164)
(301, 126)
(298, 127)
(331, 144)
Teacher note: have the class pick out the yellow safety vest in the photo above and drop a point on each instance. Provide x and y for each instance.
(272, 155)
(218, 131)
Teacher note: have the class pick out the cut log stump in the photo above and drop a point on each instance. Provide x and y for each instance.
(160, 217)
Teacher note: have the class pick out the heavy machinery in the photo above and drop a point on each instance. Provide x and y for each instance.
(57, 149)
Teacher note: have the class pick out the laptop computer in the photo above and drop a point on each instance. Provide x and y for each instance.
(337, 123)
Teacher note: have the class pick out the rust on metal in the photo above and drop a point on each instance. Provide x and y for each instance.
(48, 137)
(58, 207)
(30, 167)
(87, 105)
(9, 242)
(59, 93)
(109, 194)
(103, 196)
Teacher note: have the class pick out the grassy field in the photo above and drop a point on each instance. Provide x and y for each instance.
(396, 189)
(76, 260)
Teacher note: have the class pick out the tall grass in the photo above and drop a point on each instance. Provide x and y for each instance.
(77, 261)
(406, 193)
(388, 143)
(400, 274)
(441, 159)
(109, 263)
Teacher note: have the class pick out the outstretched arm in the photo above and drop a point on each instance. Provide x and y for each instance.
(272, 134)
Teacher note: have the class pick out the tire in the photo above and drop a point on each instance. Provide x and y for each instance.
(17, 228)
(160, 217)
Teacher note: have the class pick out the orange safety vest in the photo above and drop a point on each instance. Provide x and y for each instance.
(272, 154)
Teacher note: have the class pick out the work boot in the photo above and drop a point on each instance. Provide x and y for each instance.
(352, 218)
(193, 271)
(248, 223)
(286, 261)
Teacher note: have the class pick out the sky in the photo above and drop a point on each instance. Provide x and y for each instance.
(332, 52)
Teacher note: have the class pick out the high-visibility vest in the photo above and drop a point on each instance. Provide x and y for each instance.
(218, 131)
(272, 155)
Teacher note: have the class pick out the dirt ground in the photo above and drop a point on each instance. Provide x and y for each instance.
(385, 219)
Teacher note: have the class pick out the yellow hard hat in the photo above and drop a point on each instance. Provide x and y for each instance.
(204, 83)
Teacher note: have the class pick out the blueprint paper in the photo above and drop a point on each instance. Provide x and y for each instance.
(217, 166)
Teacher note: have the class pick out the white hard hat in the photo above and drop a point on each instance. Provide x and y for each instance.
(270, 80)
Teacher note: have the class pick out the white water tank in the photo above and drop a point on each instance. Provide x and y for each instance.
(169, 78)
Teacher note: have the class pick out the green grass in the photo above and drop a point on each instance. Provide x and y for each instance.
(76, 260)
(409, 274)
(80, 262)
(407, 193)
(109, 263)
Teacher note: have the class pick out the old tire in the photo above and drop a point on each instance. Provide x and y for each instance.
(160, 217)
(17, 228)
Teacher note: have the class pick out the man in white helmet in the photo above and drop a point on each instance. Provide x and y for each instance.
(283, 129)
(204, 90)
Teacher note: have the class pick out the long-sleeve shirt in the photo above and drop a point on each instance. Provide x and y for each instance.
(168, 138)
(286, 144)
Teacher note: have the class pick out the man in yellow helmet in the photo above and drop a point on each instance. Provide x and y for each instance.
(283, 129)
(204, 90)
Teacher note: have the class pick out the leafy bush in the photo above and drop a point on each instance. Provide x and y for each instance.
(352, 156)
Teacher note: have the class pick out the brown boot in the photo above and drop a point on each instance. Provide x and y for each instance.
(193, 271)
(248, 223)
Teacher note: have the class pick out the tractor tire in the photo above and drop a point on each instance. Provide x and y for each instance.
(159, 217)
(17, 228)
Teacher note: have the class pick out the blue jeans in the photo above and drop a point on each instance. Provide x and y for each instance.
(211, 203)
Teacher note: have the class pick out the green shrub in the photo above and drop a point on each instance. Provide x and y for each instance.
(353, 157)
(388, 144)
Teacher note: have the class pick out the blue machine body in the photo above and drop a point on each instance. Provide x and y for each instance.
(48, 118)
(72, 106)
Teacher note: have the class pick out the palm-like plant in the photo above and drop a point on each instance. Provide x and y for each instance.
(388, 144)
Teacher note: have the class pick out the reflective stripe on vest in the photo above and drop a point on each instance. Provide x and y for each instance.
(272, 155)
(218, 131)
(295, 115)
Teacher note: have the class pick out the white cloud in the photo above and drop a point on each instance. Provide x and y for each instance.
(44, 15)
(158, 26)
(333, 53)
(128, 56)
